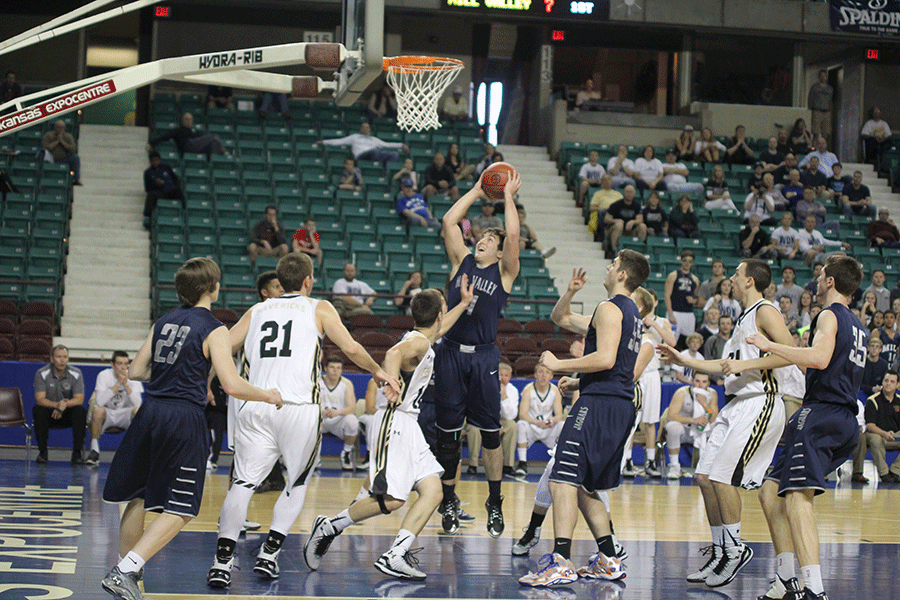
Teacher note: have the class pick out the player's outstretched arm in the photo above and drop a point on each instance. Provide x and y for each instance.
(453, 238)
(509, 260)
(820, 351)
(562, 313)
(466, 293)
(608, 319)
(238, 332)
(139, 369)
(667, 352)
(219, 347)
(770, 323)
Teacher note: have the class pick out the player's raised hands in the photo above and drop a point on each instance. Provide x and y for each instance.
(549, 360)
(667, 352)
(466, 290)
(274, 398)
(760, 341)
(513, 183)
(579, 278)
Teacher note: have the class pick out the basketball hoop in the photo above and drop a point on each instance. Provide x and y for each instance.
(419, 82)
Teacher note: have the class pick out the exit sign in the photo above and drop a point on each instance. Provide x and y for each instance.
(872, 54)
(163, 12)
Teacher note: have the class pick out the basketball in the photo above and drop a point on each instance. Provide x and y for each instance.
(494, 179)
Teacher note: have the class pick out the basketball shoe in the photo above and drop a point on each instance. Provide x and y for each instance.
(557, 570)
(707, 569)
(601, 566)
(727, 569)
(401, 563)
(267, 563)
(495, 517)
(122, 585)
(219, 575)
(323, 533)
(528, 541)
(449, 511)
(783, 590)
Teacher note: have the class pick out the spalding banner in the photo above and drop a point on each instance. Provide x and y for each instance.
(878, 17)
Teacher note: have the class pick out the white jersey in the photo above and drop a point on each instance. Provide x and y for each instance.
(283, 348)
(334, 398)
(414, 384)
(752, 382)
(541, 405)
(651, 335)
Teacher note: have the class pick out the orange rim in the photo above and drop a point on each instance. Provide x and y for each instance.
(417, 64)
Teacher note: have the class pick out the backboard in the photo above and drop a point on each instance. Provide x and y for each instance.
(362, 28)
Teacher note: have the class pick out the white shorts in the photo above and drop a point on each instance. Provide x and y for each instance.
(685, 323)
(742, 441)
(400, 457)
(343, 426)
(530, 433)
(651, 398)
(117, 417)
(677, 433)
(264, 433)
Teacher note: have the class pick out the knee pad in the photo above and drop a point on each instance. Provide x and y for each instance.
(382, 505)
(490, 440)
(449, 452)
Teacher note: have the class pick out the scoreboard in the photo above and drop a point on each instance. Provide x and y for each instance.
(563, 10)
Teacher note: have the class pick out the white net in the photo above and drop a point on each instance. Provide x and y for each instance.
(419, 82)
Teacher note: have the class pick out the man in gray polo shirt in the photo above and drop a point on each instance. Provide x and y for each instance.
(59, 403)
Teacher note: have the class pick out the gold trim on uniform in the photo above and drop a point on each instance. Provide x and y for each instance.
(770, 385)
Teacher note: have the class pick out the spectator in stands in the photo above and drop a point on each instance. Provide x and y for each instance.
(681, 426)
(756, 178)
(774, 191)
(220, 96)
(587, 94)
(306, 240)
(707, 289)
(707, 148)
(485, 220)
(486, 159)
(808, 205)
(439, 178)
(694, 342)
(889, 337)
(407, 171)
(60, 147)
(160, 181)
(786, 238)
(857, 199)
(648, 171)
(683, 221)
(788, 312)
(383, 103)
(717, 194)
(352, 296)
(883, 233)
(772, 158)
(540, 416)
(456, 107)
(714, 346)
(461, 169)
(274, 100)
(876, 322)
(621, 168)
(528, 237)
(783, 173)
(882, 423)
(784, 141)
(835, 185)
(826, 158)
(589, 175)
(724, 300)
(188, 140)
(801, 140)
(684, 144)
(813, 177)
(339, 413)
(820, 97)
(761, 204)
(509, 433)
(412, 206)
(868, 308)
(624, 217)
(754, 241)
(710, 325)
(813, 284)
(813, 244)
(804, 309)
(10, 89)
(875, 369)
(793, 189)
(876, 135)
(59, 403)
(882, 294)
(351, 178)
(655, 217)
(680, 297)
(118, 398)
(410, 287)
(675, 177)
(738, 151)
(788, 286)
(600, 203)
(366, 146)
(267, 236)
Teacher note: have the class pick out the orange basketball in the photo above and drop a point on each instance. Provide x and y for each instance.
(494, 179)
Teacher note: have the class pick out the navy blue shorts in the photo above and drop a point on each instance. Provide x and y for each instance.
(590, 447)
(467, 387)
(818, 439)
(162, 459)
(427, 425)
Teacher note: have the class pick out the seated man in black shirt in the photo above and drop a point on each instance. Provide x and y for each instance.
(857, 198)
(783, 173)
(439, 179)
(624, 217)
(836, 183)
(738, 152)
(812, 177)
(754, 241)
(160, 181)
(267, 237)
(771, 157)
(188, 140)
(882, 423)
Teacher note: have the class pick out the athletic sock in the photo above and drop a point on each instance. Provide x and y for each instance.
(732, 535)
(785, 566)
(95, 445)
(606, 545)
(449, 492)
(537, 520)
(347, 447)
(132, 563)
(563, 547)
(273, 542)
(342, 521)
(494, 491)
(716, 531)
(812, 578)
(404, 539)
(225, 549)
(522, 454)
(604, 498)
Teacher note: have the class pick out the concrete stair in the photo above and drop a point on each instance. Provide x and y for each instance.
(882, 196)
(107, 297)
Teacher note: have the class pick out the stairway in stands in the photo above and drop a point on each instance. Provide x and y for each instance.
(882, 196)
(552, 213)
(107, 284)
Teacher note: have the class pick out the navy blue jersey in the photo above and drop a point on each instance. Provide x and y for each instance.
(619, 380)
(178, 367)
(889, 345)
(838, 383)
(478, 324)
(684, 286)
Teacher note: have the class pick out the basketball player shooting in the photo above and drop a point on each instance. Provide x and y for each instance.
(466, 361)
